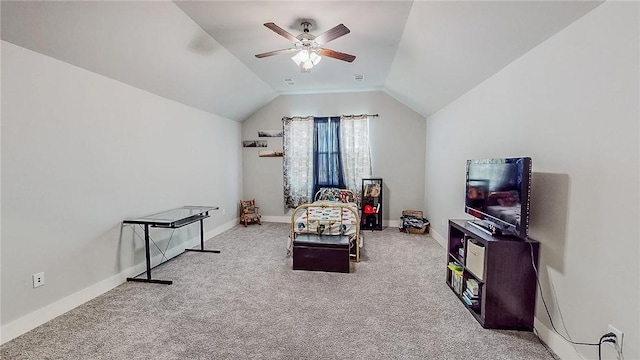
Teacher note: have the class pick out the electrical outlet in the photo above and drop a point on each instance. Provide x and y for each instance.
(443, 222)
(224, 211)
(38, 279)
(619, 338)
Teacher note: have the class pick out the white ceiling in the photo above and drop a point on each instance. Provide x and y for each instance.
(424, 53)
(376, 30)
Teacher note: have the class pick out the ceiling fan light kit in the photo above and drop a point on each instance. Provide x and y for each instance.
(306, 59)
(307, 48)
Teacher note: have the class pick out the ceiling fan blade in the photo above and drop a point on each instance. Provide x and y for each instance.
(280, 31)
(336, 55)
(332, 34)
(275, 52)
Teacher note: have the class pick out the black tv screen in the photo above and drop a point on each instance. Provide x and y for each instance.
(498, 193)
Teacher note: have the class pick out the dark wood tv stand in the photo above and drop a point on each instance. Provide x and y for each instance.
(507, 284)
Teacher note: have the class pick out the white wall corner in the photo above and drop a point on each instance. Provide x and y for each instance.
(434, 234)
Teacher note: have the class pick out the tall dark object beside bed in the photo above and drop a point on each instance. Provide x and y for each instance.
(371, 205)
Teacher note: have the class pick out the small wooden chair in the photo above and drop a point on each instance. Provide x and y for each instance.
(249, 212)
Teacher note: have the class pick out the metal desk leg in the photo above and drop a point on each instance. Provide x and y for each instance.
(202, 241)
(147, 251)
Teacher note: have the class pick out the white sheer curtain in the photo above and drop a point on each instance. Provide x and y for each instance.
(297, 160)
(354, 150)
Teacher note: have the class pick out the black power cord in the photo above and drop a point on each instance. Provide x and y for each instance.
(608, 337)
(553, 326)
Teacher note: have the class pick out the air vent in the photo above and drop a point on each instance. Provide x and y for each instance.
(358, 77)
(289, 81)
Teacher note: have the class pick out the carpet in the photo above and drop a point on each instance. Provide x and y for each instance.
(247, 303)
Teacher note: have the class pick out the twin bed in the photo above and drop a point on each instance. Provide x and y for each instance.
(325, 234)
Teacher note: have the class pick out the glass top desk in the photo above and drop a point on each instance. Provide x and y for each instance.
(170, 219)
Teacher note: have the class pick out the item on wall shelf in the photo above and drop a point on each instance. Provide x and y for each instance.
(254, 143)
(270, 153)
(270, 133)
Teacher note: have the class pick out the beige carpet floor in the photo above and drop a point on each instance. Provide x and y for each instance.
(247, 303)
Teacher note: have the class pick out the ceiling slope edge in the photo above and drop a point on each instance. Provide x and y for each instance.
(165, 54)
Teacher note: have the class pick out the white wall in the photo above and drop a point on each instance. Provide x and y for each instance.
(81, 152)
(151, 45)
(572, 105)
(397, 139)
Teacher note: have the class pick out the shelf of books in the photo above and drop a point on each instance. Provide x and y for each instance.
(492, 276)
(465, 285)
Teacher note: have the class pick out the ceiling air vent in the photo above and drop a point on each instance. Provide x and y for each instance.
(289, 81)
(358, 77)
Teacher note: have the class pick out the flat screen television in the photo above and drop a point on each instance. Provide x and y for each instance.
(498, 195)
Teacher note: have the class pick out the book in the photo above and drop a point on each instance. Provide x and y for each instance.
(472, 291)
(456, 281)
(470, 302)
(455, 266)
(472, 286)
(470, 295)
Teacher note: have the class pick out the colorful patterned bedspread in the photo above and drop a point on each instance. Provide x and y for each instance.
(327, 220)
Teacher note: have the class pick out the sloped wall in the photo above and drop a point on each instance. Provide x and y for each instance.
(81, 152)
(572, 105)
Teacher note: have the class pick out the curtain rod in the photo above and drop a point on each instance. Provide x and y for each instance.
(372, 115)
(352, 115)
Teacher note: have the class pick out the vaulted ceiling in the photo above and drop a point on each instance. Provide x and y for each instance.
(201, 53)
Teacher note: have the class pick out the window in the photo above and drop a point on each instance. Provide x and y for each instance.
(327, 164)
(323, 152)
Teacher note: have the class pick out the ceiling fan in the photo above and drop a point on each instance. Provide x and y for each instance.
(308, 48)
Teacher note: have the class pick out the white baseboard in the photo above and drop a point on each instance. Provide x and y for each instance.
(51, 311)
(220, 229)
(36, 318)
(277, 219)
(441, 240)
(391, 223)
(563, 349)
